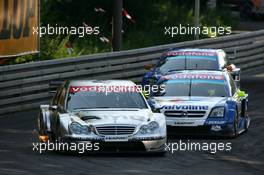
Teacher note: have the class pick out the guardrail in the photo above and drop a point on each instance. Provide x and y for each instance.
(26, 86)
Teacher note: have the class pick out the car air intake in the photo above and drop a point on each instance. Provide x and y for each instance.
(189, 114)
(115, 130)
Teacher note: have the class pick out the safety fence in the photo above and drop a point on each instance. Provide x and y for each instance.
(26, 86)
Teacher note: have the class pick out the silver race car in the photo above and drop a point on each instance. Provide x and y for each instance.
(112, 113)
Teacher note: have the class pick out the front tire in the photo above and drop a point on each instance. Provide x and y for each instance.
(58, 133)
(41, 125)
(235, 126)
(247, 122)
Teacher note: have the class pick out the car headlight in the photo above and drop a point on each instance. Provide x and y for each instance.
(217, 112)
(150, 128)
(77, 128)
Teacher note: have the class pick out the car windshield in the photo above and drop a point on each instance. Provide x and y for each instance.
(92, 99)
(193, 87)
(187, 62)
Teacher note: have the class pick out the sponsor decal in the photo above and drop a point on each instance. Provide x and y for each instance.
(184, 123)
(216, 122)
(105, 89)
(17, 19)
(186, 107)
(146, 90)
(189, 53)
(193, 76)
(216, 128)
(211, 58)
(116, 139)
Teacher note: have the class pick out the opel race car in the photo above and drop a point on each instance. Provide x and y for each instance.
(113, 113)
(189, 59)
(204, 99)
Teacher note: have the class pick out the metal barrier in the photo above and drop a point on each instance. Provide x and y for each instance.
(26, 86)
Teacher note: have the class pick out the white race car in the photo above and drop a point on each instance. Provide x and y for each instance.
(113, 113)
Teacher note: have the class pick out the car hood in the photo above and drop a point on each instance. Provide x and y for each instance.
(115, 117)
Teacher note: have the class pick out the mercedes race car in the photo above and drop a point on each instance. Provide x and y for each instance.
(189, 59)
(208, 100)
(113, 113)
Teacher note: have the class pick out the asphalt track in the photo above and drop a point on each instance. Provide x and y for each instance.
(246, 156)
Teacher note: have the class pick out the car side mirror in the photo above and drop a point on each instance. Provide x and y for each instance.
(148, 66)
(230, 67)
(241, 94)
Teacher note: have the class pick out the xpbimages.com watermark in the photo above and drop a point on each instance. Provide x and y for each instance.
(185, 146)
(213, 31)
(147, 89)
(80, 147)
(80, 31)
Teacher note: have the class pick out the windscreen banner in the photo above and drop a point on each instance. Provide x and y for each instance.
(18, 19)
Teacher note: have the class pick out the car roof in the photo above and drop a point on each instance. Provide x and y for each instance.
(101, 83)
(195, 50)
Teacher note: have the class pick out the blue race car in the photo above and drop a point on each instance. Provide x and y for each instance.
(189, 59)
(204, 99)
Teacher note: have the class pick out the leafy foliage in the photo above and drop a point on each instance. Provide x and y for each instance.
(151, 17)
